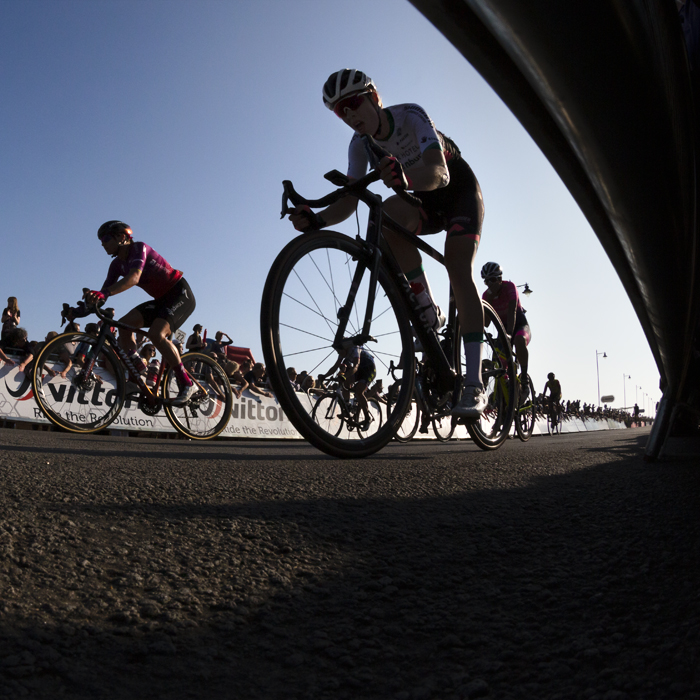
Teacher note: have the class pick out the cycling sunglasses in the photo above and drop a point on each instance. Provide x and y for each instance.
(493, 279)
(352, 103)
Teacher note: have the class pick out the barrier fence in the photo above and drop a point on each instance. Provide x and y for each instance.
(252, 416)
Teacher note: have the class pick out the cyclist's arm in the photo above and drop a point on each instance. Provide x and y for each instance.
(131, 279)
(339, 211)
(5, 358)
(432, 174)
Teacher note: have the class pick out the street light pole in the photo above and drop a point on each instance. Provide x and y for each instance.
(597, 371)
(624, 391)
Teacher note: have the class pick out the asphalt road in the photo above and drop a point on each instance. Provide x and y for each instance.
(566, 567)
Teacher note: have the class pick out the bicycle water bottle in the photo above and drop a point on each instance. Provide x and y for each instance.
(152, 373)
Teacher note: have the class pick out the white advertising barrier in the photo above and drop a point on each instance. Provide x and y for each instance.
(252, 415)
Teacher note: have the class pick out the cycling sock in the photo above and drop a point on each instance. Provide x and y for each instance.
(473, 347)
(421, 288)
(182, 376)
(137, 361)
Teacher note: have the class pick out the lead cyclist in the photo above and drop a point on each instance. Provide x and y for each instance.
(137, 264)
(430, 164)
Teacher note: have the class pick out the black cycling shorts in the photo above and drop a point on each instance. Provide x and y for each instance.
(367, 370)
(457, 208)
(175, 306)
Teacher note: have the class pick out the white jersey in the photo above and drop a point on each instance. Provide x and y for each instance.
(411, 133)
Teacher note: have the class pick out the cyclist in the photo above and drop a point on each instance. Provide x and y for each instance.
(137, 264)
(554, 395)
(357, 371)
(429, 163)
(504, 298)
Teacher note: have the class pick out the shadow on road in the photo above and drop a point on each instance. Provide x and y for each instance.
(576, 583)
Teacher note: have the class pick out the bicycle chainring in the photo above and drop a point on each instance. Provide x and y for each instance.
(148, 408)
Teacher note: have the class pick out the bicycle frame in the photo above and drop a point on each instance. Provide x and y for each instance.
(379, 251)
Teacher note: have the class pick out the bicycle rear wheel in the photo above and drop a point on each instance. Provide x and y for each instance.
(207, 413)
(328, 413)
(318, 280)
(525, 414)
(498, 377)
(82, 402)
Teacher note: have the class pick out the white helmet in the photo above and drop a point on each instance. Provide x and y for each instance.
(344, 83)
(491, 269)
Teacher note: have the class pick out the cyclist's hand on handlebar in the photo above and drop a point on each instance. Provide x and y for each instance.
(393, 174)
(95, 297)
(304, 219)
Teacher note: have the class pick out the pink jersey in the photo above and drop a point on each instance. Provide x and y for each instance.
(507, 293)
(157, 277)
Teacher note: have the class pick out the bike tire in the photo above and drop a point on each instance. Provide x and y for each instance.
(375, 410)
(74, 403)
(409, 426)
(525, 415)
(208, 412)
(491, 430)
(444, 427)
(328, 413)
(308, 284)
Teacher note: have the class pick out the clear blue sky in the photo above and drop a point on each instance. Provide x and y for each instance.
(183, 117)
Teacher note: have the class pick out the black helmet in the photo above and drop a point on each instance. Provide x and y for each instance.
(344, 83)
(113, 228)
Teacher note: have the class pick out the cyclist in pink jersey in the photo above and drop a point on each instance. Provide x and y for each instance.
(504, 297)
(429, 163)
(137, 264)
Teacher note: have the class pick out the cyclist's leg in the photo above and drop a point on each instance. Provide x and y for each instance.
(409, 257)
(521, 339)
(137, 318)
(172, 310)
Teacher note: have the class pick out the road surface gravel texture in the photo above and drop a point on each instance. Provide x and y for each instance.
(566, 568)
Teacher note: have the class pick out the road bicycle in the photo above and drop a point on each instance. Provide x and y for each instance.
(426, 408)
(336, 412)
(325, 289)
(80, 384)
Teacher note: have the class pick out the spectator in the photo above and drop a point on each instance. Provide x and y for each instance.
(10, 317)
(148, 353)
(301, 377)
(16, 340)
(292, 374)
(308, 384)
(73, 327)
(27, 364)
(195, 343)
(239, 378)
(255, 376)
(219, 344)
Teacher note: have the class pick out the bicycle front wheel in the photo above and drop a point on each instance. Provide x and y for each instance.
(376, 420)
(498, 377)
(409, 425)
(444, 427)
(207, 413)
(525, 414)
(319, 280)
(72, 395)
